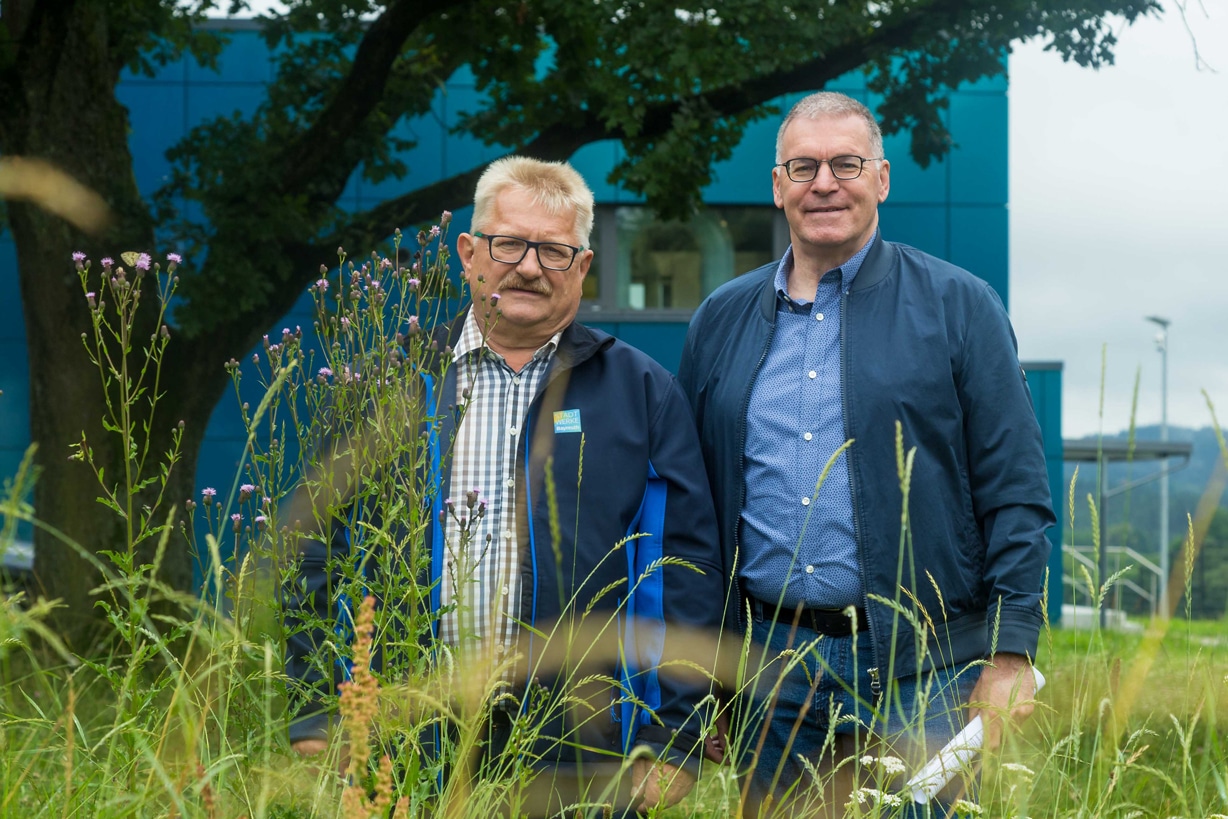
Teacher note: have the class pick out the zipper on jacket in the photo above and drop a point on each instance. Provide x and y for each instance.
(750, 387)
(848, 455)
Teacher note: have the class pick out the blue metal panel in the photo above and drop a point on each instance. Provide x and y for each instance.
(979, 243)
(244, 59)
(978, 160)
(207, 101)
(660, 339)
(910, 183)
(594, 162)
(158, 113)
(746, 177)
(173, 72)
(464, 151)
(925, 227)
(12, 321)
(425, 161)
(15, 397)
(1045, 382)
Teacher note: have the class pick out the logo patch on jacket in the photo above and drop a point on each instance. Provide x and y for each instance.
(567, 421)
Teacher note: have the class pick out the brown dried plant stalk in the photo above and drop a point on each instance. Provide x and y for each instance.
(359, 705)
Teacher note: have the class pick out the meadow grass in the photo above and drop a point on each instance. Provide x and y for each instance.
(185, 711)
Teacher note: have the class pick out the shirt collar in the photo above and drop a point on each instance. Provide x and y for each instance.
(848, 270)
(471, 341)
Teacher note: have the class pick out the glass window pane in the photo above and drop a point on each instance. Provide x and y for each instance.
(676, 264)
(590, 289)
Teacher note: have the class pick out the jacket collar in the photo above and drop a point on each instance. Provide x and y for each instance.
(880, 262)
(577, 343)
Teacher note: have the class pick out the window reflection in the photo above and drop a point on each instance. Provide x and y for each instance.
(663, 265)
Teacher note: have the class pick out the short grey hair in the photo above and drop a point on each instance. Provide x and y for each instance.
(556, 186)
(831, 104)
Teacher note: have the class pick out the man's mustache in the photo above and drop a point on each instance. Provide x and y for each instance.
(514, 281)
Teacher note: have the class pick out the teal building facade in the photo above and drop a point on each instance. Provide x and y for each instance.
(647, 276)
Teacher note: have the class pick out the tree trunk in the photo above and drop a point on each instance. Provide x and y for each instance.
(67, 113)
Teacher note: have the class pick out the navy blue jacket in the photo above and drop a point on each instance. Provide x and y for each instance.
(928, 346)
(633, 467)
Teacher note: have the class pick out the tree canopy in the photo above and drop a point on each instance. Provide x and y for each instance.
(676, 84)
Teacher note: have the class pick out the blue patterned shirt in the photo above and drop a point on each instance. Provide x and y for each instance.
(795, 536)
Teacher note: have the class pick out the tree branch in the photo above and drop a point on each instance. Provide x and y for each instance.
(556, 142)
(359, 94)
(560, 141)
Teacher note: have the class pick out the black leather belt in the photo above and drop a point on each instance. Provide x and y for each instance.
(828, 622)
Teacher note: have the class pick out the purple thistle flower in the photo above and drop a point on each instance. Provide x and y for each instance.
(255, 358)
(494, 298)
(78, 256)
(236, 517)
(325, 372)
(413, 284)
(322, 285)
(90, 295)
(261, 520)
(447, 217)
(107, 261)
(142, 262)
(209, 492)
(434, 231)
(174, 258)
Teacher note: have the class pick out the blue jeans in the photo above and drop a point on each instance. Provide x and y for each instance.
(832, 706)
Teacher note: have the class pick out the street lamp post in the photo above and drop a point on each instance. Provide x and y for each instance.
(1162, 346)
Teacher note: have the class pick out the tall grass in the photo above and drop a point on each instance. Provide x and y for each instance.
(186, 712)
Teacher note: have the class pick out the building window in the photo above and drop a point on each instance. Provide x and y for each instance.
(643, 265)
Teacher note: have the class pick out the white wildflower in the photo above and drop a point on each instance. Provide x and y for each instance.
(893, 765)
(1023, 771)
(874, 797)
(963, 806)
(865, 795)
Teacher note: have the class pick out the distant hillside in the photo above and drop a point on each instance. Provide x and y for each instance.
(1139, 508)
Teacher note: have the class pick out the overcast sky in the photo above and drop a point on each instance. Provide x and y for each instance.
(1119, 210)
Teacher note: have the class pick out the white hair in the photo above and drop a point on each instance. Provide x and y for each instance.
(556, 186)
(831, 104)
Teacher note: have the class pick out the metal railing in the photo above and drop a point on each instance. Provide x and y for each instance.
(1151, 574)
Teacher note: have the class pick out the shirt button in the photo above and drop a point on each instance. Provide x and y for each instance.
(499, 648)
(805, 501)
(506, 590)
(507, 534)
(810, 570)
(807, 436)
(509, 483)
(511, 430)
(812, 374)
(818, 316)
(516, 380)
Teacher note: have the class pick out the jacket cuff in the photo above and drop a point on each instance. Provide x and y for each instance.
(313, 725)
(678, 748)
(1018, 630)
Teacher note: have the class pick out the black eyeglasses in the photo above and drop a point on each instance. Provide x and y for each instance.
(805, 169)
(512, 249)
